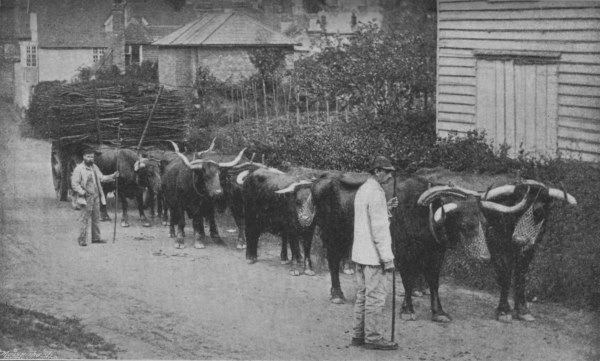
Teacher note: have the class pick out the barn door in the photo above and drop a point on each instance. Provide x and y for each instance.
(517, 104)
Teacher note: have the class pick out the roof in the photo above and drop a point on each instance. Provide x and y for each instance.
(225, 29)
(159, 12)
(136, 33)
(72, 23)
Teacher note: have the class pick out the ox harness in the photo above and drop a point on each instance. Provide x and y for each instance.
(526, 231)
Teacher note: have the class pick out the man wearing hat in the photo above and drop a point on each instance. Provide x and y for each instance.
(85, 182)
(372, 253)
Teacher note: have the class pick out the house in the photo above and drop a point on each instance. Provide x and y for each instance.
(220, 42)
(14, 27)
(525, 72)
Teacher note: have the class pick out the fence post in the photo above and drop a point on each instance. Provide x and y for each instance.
(297, 106)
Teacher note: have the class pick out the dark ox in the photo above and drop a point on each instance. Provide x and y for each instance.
(511, 238)
(278, 203)
(428, 220)
(152, 165)
(191, 187)
(129, 184)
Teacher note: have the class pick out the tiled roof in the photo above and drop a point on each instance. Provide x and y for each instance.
(72, 23)
(227, 29)
(135, 33)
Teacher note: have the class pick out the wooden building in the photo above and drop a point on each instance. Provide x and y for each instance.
(525, 72)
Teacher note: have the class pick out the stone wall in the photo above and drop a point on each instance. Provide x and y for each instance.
(175, 67)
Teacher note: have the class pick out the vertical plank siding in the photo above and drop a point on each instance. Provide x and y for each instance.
(561, 101)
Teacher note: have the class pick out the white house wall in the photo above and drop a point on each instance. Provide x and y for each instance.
(63, 64)
(571, 28)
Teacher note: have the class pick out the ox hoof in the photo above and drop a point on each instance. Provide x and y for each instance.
(198, 245)
(240, 246)
(441, 318)
(337, 300)
(417, 294)
(526, 317)
(285, 262)
(179, 245)
(294, 272)
(251, 261)
(124, 224)
(349, 271)
(408, 317)
(166, 224)
(309, 272)
(172, 235)
(146, 224)
(504, 317)
(105, 219)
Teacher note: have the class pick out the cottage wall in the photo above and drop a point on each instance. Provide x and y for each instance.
(501, 61)
(175, 67)
(150, 52)
(63, 64)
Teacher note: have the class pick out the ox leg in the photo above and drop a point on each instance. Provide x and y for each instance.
(162, 209)
(139, 198)
(333, 261)
(199, 234)
(178, 219)
(241, 226)
(409, 275)
(522, 266)
(432, 276)
(283, 255)
(503, 267)
(150, 202)
(253, 232)
(307, 237)
(124, 207)
(212, 226)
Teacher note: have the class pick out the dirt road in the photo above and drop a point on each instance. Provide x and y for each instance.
(157, 302)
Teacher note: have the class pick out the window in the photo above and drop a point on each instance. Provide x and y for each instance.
(97, 54)
(132, 54)
(32, 55)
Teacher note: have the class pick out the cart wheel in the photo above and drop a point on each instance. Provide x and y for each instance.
(61, 184)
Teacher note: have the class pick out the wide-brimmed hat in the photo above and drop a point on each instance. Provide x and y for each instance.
(381, 162)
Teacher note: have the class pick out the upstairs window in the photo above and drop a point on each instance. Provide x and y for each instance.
(31, 56)
(97, 54)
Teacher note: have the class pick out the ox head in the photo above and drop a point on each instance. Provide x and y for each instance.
(527, 224)
(462, 218)
(303, 201)
(147, 172)
(207, 173)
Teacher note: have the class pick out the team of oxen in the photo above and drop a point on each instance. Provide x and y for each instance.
(498, 218)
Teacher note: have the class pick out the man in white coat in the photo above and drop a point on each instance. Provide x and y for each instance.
(372, 253)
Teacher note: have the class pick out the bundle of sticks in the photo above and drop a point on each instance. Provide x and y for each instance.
(67, 112)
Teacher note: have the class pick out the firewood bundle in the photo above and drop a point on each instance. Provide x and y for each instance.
(67, 112)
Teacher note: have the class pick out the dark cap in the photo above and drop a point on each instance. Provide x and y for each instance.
(381, 162)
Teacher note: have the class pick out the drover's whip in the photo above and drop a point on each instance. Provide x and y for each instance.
(117, 181)
(393, 272)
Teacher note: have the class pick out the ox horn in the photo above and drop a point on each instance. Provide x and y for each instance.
(446, 208)
(194, 165)
(292, 187)
(242, 177)
(561, 194)
(509, 189)
(210, 149)
(506, 209)
(432, 193)
(175, 147)
(233, 162)
(252, 159)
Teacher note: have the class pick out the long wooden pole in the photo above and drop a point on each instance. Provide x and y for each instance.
(149, 118)
(97, 116)
(117, 181)
(394, 273)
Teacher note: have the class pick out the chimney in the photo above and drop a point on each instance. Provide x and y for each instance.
(118, 43)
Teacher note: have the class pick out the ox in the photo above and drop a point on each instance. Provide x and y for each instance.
(191, 187)
(511, 238)
(427, 221)
(281, 204)
(130, 185)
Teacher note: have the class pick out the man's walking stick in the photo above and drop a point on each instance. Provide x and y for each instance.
(117, 180)
(393, 272)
